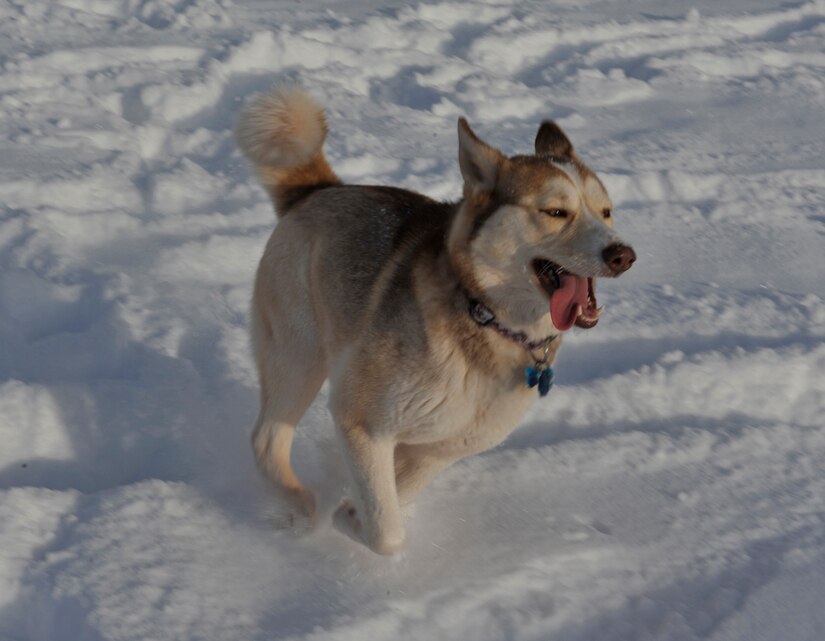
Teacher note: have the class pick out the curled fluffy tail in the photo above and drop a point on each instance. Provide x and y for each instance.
(283, 133)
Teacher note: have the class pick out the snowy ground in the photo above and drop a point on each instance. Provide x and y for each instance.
(672, 485)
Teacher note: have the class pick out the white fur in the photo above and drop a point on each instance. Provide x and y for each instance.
(283, 128)
(501, 256)
(509, 240)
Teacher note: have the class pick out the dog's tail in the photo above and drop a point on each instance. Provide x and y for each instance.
(283, 133)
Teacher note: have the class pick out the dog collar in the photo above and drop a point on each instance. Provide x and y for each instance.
(540, 374)
(485, 317)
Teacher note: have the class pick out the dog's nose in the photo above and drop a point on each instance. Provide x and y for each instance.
(619, 258)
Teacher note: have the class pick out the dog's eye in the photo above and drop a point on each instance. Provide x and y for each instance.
(556, 213)
(606, 213)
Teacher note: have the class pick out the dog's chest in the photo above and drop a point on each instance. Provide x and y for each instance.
(458, 401)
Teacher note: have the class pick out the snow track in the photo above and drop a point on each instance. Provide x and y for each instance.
(670, 487)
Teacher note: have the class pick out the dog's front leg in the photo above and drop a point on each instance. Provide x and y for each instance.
(375, 519)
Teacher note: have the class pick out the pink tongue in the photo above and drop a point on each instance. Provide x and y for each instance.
(565, 301)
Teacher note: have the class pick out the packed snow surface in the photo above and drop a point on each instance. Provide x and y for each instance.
(671, 486)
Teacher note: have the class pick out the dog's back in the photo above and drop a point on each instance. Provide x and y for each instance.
(365, 235)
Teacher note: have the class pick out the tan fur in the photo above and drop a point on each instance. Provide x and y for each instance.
(368, 286)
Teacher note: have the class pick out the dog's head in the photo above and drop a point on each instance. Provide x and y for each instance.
(534, 231)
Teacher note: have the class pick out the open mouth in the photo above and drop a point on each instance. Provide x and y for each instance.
(572, 297)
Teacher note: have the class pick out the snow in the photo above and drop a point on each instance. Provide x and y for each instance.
(669, 488)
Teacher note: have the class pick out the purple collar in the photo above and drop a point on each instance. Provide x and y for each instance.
(485, 317)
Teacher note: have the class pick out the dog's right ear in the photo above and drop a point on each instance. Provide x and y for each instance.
(480, 163)
(551, 141)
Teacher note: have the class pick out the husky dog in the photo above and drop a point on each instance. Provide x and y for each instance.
(424, 315)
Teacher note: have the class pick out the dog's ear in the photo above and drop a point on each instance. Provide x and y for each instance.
(553, 142)
(480, 163)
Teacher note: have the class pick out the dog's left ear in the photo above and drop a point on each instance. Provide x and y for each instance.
(480, 163)
(552, 141)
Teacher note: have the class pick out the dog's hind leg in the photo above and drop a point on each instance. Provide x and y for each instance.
(291, 373)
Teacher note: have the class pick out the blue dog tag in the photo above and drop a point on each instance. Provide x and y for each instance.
(541, 377)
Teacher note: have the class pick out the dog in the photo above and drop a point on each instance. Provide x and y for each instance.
(433, 321)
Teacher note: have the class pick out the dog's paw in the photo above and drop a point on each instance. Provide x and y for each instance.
(345, 519)
(302, 510)
(302, 501)
(381, 541)
(293, 510)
